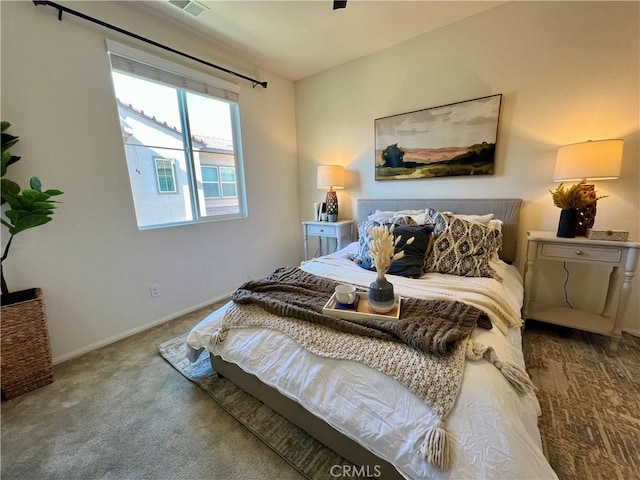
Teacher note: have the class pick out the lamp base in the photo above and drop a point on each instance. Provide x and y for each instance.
(587, 214)
(332, 206)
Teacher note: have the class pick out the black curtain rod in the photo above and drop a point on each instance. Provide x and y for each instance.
(62, 8)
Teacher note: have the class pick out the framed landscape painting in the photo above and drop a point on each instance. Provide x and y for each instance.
(455, 139)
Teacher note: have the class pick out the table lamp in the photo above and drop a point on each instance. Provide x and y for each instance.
(591, 160)
(331, 177)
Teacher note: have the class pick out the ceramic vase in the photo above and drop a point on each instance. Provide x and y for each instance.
(568, 222)
(381, 296)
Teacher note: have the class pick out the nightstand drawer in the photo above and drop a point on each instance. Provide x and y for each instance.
(322, 230)
(553, 251)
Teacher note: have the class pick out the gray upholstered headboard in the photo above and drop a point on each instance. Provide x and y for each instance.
(505, 209)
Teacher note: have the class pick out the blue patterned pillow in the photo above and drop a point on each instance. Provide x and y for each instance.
(363, 258)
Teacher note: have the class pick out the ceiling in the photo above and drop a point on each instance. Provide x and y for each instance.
(297, 39)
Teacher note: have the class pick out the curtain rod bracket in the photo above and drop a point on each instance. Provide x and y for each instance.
(62, 8)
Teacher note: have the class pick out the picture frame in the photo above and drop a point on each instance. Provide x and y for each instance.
(448, 140)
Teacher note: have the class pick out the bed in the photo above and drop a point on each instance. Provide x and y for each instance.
(371, 418)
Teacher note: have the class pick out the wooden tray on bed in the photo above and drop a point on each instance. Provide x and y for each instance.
(362, 311)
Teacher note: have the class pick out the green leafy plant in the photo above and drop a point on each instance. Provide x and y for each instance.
(569, 197)
(27, 208)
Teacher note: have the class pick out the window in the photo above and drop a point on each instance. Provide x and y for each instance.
(166, 176)
(182, 142)
(219, 182)
(228, 180)
(211, 182)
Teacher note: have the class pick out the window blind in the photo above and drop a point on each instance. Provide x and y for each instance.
(144, 65)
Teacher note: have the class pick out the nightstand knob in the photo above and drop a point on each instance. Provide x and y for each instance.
(322, 229)
(579, 252)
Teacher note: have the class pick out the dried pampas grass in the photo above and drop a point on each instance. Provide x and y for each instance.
(382, 247)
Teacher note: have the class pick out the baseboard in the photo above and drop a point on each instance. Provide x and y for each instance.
(632, 331)
(128, 333)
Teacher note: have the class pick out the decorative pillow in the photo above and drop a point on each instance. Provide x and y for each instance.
(436, 219)
(495, 223)
(383, 216)
(415, 254)
(412, 264)
(483, 219)
(380, 216)
(463, 248)
(363, 258)
(497, 226)
(417, 219)
(407, 221)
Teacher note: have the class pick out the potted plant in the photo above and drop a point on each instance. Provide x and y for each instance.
(26, 350)
(569, 200)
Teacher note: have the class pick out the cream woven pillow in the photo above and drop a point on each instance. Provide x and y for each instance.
(463, 248)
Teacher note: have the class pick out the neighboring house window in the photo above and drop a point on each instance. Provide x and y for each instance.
(211, 182)
(219, 182)
(166, 176)
(181, 135)
(228, 181)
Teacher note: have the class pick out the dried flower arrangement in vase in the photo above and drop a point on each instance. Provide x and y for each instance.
(382, 249)
(568, 200)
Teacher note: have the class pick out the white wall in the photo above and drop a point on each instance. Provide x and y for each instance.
(94, 265)
(568, 72)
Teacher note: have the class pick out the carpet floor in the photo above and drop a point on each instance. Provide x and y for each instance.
(122, 412)
(308, 456)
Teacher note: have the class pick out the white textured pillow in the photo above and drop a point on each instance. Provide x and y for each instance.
(420, 218)
(495, 223)
(483, 219)
(383, 216)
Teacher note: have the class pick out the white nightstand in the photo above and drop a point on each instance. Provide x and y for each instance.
(622, 256)
(342, 231)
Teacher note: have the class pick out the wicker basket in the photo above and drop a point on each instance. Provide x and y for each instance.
(26, 349)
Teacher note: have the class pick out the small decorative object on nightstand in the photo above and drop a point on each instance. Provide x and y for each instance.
(342, 232)
(599, 234)
(330, 177)
(621, 256)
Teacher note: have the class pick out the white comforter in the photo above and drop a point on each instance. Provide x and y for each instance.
(493, 430)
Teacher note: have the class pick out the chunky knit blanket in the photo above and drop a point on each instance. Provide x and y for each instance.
(420, 351)
(430, 326)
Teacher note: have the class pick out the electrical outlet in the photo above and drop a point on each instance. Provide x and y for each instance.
(154, 290)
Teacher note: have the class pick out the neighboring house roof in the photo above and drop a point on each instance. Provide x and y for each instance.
(202, 142)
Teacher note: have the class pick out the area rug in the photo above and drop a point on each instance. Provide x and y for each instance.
(304, 453)
(590, 425)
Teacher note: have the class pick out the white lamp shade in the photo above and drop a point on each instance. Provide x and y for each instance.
(594, 160)
(330, 177)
